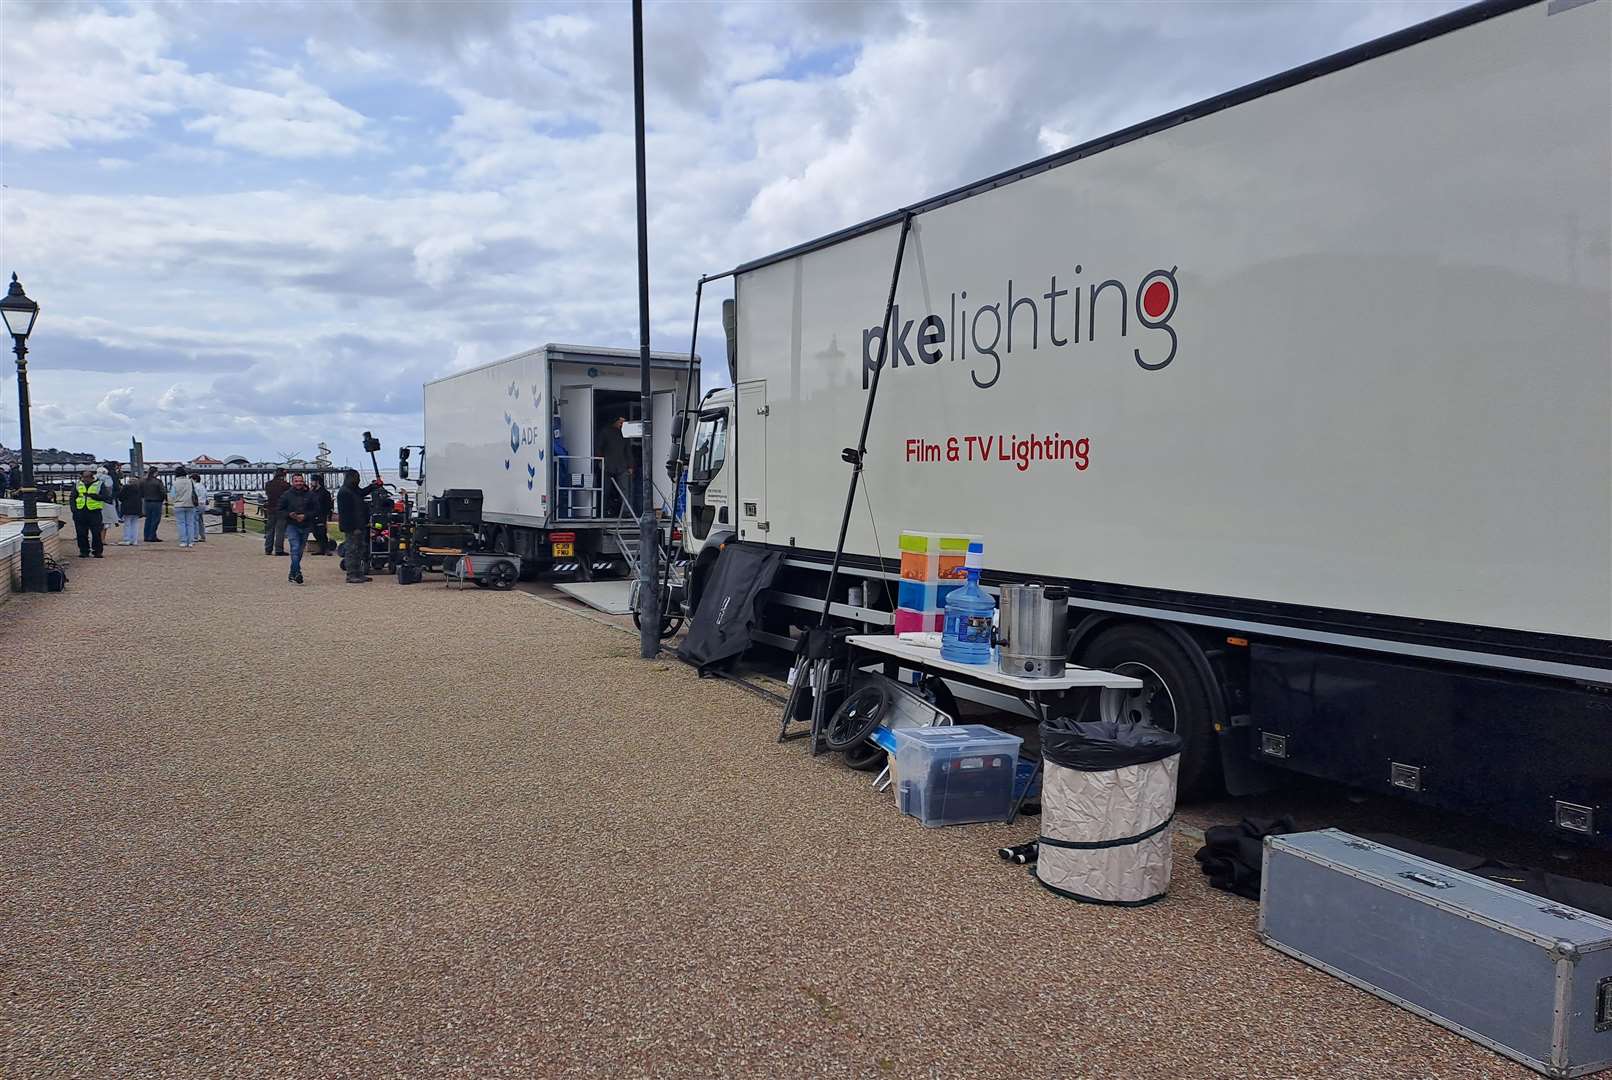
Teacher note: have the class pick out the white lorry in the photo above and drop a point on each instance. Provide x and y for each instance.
(524, 432)
(1305, 392)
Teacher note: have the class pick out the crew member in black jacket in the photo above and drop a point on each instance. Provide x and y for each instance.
(352, 514)
(327, 507)
(300, 508)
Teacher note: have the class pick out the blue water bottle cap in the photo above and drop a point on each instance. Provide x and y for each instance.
(975, 559)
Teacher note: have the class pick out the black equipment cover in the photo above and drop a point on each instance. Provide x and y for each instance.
(721, 627)
(1100, 745)
(1233, 856)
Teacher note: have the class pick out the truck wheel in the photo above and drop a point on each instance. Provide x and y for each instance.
(1173, 696)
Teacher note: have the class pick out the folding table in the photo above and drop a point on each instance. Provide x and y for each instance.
(896, 654)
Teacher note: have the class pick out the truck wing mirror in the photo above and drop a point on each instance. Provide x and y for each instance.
(403, 462)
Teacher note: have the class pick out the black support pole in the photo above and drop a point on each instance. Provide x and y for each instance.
(680, 455)
(855, 455)
(648, 527)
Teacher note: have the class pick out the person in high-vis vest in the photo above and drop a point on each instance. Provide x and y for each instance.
(87, 521)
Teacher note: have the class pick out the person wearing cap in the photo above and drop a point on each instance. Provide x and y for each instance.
(87, 515)
(300, 508)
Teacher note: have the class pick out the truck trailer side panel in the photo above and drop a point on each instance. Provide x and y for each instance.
(488, 428)
(1346, 346)
(491, 428)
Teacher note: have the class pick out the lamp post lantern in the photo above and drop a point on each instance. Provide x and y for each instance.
(19, 313)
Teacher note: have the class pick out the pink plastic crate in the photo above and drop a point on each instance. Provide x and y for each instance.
(909, 621)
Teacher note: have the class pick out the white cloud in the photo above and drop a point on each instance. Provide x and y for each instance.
(73, 77)
(280, 285)
(290, 118)
(84, 76)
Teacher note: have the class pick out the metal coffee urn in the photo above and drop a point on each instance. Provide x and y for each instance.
(1032, 629)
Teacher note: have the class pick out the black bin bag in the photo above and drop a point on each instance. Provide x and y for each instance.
(1096, 745)
(1107, 800)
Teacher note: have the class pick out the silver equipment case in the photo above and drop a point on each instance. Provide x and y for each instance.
(1526, 977)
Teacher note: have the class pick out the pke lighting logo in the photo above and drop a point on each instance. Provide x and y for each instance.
(1098, 313)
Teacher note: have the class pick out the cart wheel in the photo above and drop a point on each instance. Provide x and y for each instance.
(868, 757)
(503, 576)
(856, 717)
(670, 624)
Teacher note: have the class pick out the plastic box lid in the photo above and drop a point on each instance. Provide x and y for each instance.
(956, 741)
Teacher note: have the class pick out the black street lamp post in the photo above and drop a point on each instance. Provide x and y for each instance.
(19, 313)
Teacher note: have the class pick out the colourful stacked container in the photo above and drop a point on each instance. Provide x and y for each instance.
(931, 567)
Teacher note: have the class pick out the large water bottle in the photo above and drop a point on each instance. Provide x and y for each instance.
(966, 636)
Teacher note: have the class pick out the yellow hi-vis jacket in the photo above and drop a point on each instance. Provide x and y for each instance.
(88, 496)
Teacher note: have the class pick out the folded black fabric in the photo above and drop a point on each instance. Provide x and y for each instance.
(1232, 856)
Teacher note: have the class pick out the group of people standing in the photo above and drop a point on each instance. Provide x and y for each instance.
(103, 499)
(297, 510)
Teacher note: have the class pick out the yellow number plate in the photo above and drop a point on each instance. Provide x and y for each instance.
(564, 549)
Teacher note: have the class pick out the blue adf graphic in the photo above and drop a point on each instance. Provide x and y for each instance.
(521, 434)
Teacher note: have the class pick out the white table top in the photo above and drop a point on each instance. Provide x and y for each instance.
(921, 656)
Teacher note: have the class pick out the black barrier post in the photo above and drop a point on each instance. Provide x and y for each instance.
(648, 525)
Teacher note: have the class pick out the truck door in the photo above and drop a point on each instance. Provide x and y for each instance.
(577, 471)
(752, 432)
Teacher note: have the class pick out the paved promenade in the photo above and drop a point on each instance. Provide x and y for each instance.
(257, 830)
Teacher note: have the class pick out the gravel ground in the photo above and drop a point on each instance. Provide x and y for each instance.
(257, 830)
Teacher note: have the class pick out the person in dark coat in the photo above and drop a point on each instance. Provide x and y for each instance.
(618, 467)
(153, 497)
(131, 504)
(352, 514)
(327, 509)
(273, 520)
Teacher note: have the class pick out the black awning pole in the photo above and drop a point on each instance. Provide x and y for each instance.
(680, 457)
(855, 456)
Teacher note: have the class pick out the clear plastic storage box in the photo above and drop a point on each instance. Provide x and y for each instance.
(955, 775)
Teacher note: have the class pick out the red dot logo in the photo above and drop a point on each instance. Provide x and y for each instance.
(1156, 300)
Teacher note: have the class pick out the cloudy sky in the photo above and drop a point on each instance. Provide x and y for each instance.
(256, 226)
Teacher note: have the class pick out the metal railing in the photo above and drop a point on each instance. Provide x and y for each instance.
(55, 481)
(578, 490)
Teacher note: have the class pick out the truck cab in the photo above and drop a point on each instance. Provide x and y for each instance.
(709, 520)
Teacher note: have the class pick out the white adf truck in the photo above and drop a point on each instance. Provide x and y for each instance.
(523, 433)
(1304, 391)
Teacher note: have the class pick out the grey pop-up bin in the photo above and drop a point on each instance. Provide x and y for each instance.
(1107, 800)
